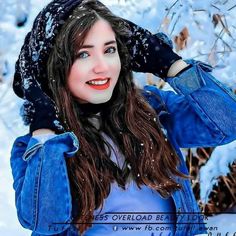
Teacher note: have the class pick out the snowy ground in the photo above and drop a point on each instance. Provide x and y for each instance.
(148, 13)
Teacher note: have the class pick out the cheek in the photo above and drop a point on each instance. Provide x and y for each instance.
(116, 67)
(75, 79)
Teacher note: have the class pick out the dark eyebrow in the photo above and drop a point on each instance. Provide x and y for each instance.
(110, 42)
(105, 44)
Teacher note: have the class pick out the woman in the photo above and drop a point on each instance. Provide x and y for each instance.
(97, 145)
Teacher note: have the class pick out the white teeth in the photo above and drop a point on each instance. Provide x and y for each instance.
(98, 82)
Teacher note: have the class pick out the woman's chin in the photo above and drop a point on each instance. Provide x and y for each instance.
(94, 100)
(100, 99)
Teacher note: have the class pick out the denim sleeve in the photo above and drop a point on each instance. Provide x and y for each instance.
(41, 184)
(202, 112)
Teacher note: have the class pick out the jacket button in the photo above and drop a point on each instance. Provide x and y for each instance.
(20, 144)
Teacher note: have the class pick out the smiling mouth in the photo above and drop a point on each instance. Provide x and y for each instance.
(99, 84)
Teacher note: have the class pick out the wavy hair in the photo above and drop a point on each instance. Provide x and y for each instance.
(126, 118)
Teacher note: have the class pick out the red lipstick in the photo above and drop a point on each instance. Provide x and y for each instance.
(99, 83)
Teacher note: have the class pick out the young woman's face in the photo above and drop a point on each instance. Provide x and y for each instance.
(95, 71)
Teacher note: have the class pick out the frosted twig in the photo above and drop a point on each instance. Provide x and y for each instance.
(190, 161)
(197, 10)
(215, 7)
(226, 44)
(175, 24)
(225, 21)
(198, 24)
(168, 11)
(230, 190)
(206, 54)
(205, 153)
(217, 38)
(227, 27)
(231, 8)
(232, 178)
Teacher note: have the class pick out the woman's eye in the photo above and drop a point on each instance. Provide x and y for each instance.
(111, 50)
(82, 55)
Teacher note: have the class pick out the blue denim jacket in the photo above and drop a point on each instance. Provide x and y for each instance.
(202, 112)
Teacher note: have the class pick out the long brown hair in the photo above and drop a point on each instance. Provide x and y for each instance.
(127, 119)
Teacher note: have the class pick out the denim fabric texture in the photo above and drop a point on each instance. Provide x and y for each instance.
(201, 113)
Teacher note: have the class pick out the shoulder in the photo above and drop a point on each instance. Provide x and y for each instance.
(22, 140)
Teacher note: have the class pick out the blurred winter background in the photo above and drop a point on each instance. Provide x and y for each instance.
(204, 30)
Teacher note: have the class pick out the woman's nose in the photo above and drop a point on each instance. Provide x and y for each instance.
(101, 65)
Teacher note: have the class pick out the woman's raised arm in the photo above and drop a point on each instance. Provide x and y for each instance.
(201, 113)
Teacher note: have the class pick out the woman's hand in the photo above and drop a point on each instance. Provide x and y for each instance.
(40, 110)
(150, 53)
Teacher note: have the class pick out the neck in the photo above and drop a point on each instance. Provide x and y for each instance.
(90, 110)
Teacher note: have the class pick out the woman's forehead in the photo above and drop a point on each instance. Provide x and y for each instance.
(100, 32)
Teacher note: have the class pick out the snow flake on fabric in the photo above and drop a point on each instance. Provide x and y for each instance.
(27, 112)
(35, 56)
(58, 125)
(49, 26)
(27, 83)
